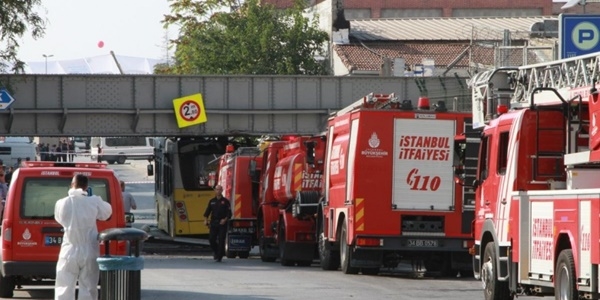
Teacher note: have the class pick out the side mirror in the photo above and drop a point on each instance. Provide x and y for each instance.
(150, 170)
(310, 153)
(476, 183)
(252, 168)
(129, 217)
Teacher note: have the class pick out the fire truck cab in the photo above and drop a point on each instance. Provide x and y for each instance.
(537, 189)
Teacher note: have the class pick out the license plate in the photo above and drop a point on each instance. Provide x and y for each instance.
(422, 243)
(242, 230)
(53, 240)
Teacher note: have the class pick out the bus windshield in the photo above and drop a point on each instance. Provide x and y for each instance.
(195, 159)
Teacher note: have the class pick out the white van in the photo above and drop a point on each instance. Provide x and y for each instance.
(10, 152)
(119, 149)
(80, 143)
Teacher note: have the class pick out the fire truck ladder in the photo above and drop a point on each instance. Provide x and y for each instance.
(539, 86)
(546, 152)
(571, 78)
(471, 157)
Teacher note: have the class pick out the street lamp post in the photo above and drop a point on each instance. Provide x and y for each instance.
(46, 58)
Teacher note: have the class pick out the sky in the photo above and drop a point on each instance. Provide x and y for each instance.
(74, 29)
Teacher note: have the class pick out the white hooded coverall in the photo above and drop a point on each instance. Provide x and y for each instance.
(78, 213)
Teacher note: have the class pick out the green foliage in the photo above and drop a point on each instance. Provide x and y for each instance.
(252, 39)
(16, 18)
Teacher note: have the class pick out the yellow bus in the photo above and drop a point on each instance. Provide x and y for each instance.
(182, 188)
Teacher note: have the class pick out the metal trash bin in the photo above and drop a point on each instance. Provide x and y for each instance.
(120, 276)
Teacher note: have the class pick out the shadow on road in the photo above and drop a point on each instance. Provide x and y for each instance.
(34, 293)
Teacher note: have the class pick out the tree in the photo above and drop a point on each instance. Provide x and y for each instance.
(16, 18)
(251, 39)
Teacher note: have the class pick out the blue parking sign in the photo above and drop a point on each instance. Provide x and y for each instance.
(5, 99)
(578, 34)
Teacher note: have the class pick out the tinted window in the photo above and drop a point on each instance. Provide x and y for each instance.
(128, 141)
(40, 195)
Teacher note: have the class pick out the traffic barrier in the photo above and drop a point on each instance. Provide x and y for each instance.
(120, 276)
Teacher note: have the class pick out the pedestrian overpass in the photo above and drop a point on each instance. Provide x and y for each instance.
(128, 105)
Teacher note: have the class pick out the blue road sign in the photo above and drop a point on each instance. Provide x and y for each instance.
(578, 34)
(5, 99)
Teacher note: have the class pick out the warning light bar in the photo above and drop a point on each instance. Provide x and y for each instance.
(46, 164)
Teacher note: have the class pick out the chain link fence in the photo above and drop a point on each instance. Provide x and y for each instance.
(515, 49)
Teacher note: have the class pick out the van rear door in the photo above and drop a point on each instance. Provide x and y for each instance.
(36, 235)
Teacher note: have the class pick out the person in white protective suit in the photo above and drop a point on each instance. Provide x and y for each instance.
(78, 213)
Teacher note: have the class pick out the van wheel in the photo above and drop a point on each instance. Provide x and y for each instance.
(121, 160)
(7, 286)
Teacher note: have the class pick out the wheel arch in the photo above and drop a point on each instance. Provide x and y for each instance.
(488, 234)
(564, 241)
(319, 222)
(340, 222)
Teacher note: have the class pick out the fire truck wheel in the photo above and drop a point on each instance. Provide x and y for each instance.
(7, 286)
(244, 254)
(282, 244)
(330, 260)
(493, 288)
(230, 254)
(262, 247)
(346, 252)
(565, 286)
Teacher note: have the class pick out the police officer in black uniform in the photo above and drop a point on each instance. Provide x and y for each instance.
(219, 210)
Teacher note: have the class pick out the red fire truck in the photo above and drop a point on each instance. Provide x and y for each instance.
(242, 190)
(537, 194)
(291, 180)
(390, 193)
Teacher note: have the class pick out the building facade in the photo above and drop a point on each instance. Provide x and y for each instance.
(367, 9)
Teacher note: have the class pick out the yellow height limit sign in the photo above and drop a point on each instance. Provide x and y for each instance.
(189, 110)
